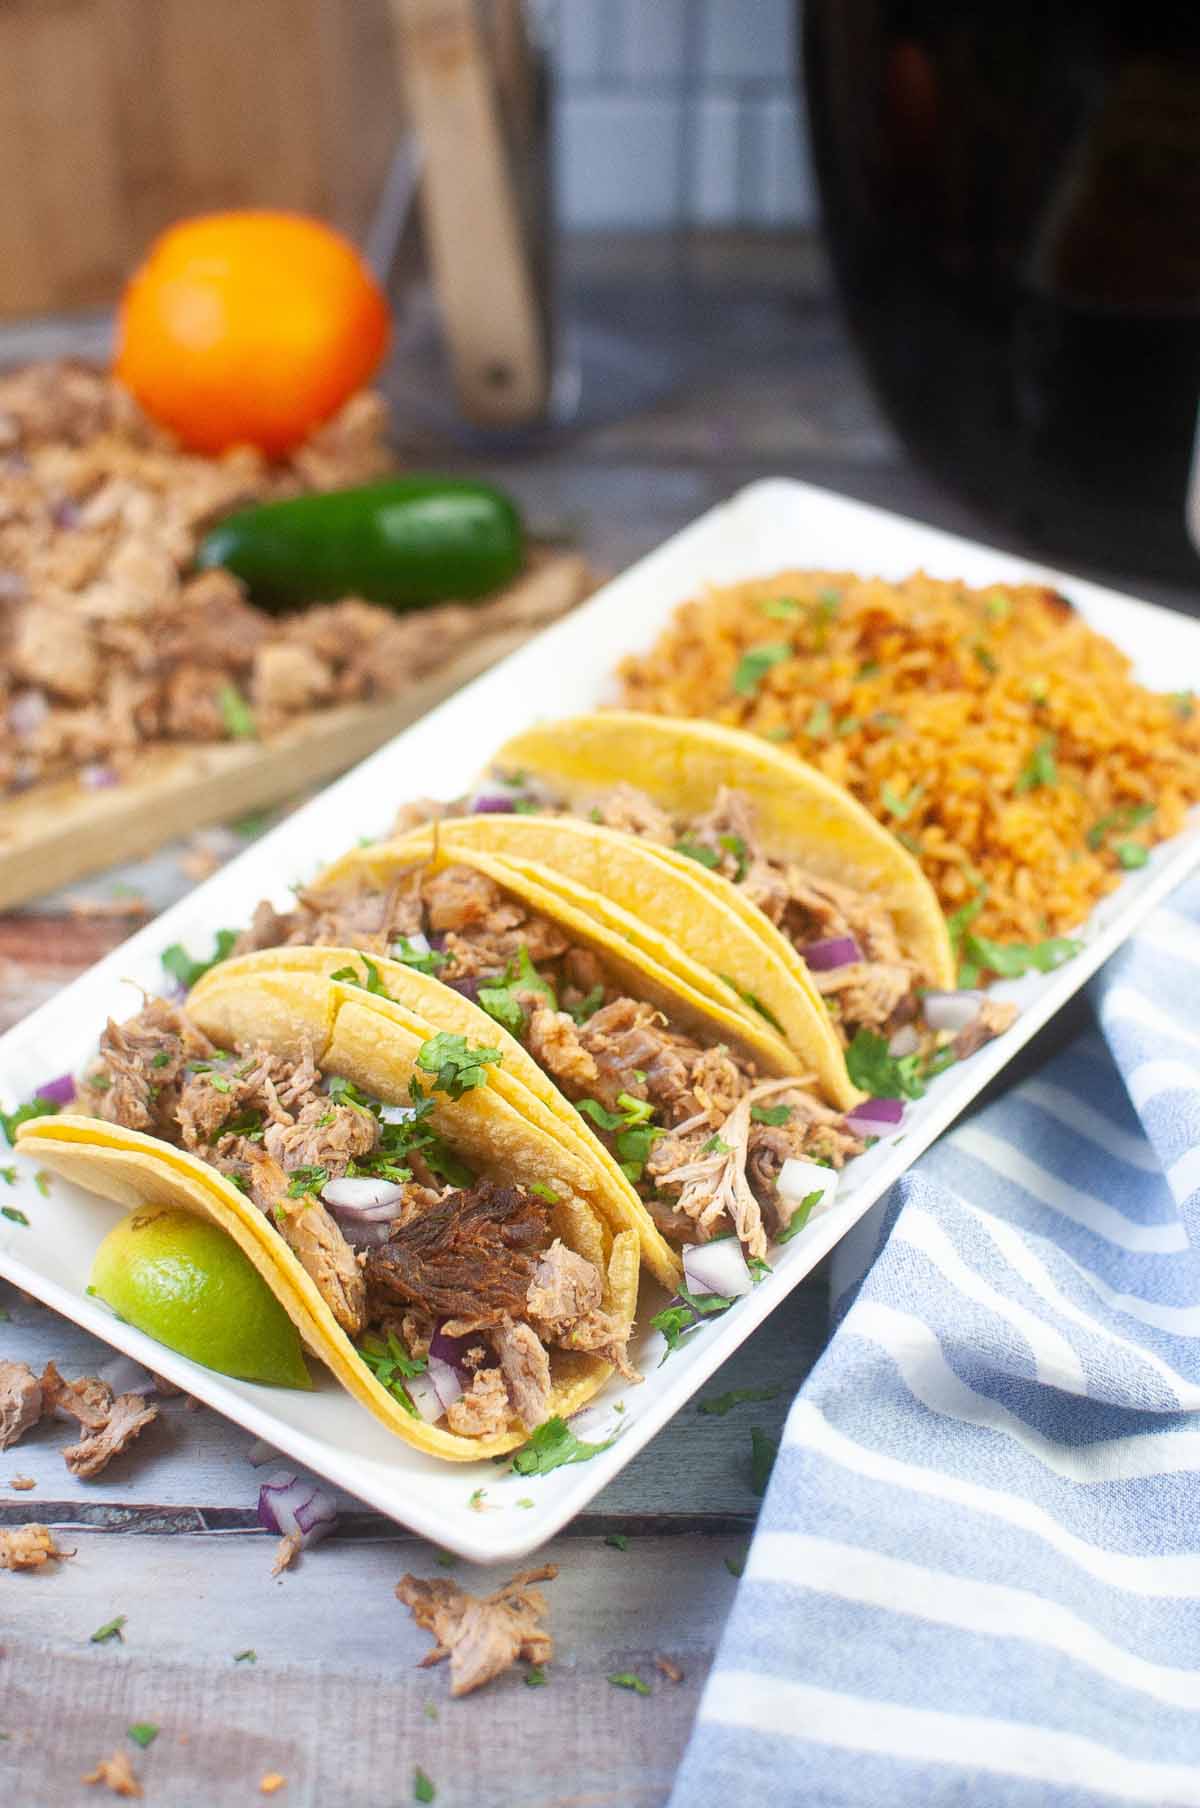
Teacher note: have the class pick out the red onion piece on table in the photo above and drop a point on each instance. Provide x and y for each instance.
(837, 951)
(718, 1267)
(953, 1011)
(291, 1504)
(60, 1090)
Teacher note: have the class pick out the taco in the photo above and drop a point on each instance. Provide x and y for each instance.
(703, 1106)
(408, 1215)
(841, 910)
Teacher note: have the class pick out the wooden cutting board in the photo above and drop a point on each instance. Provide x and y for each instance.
(58, 832)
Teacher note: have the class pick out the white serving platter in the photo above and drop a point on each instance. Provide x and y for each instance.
(769, 526)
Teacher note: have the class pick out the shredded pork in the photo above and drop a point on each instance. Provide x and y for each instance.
(20, 1402)
(481, 1635)
(29, 1547)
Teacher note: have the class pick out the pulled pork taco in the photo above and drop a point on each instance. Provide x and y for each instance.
(846, 922)
(427, 1240)
(706, 1109)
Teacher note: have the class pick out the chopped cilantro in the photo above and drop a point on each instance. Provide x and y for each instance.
(8, 1176)
(820, 721)
(587, 1007)
(1039, 769)
(705, 1304)
(1131, 854)
(236, 714)
(1009, 960)
(429, 1711)
(247, 1123)
(697, 851)
(220, 1082)
(829, 601)
(881, 1075)
(143, 1733)
(736, 1566)
(423, 1787)
(799, 1217)
(391, 1365)
(457, 1068)
(781, 608)
(626, 1679)
(763, 1451)
(535, 1677)
(717, 1405)
(938, 1061)
(1129, 816)
(371, 982)
(502, 1002)
(758, 1268)
(716, 1145)
(733, 844)
(306, 1180)
(160, 1059)
(475, 1500)
(985, 657)
(248, 1656)
(897, 805)
(179, 964)
(13, 1215)
(870, 668)
(426, 960)
(552, 1445)
(111, 1629)
(41, 1181)
(636, 1134)
(545, 1191)
(848, 725)
(35, 1107)
(525, 1502)
(997, 606)
(445, 1559)
(618, 1540)
(780, 731)
(1184, 705)
(775, 1115)
(674, 1322)
(756, 662)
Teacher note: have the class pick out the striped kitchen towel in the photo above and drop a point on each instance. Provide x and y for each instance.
(976, 1578)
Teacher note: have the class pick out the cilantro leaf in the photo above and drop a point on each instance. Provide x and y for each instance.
(111, 1629)
(553, 1445)
(236, 714)
(800, 1217)
(881, 1075)
(775, 1115)
(763, 1451)
(734, 844)
(588, 1006)
(897, 805)
(391, 1365)
(736, 1566)
(35, 1107)
(535, 1677)
(1131, 854)
(143, 1733)
(457, 1068)
(502, 1002)
(618, 1540)
(1010, 960)
(426, 960)
(697, 851)
(705, 1304)
(372, 981)
(306, 1180)
(626, 1679)
(13, 1214)
(717, 1405)
(781, 608)
(820, 721)
(1039, 769)
(674, 1322)
(180, 965)
(424, 1790)
(1129, 816)
(248, 1656)
(756, 662)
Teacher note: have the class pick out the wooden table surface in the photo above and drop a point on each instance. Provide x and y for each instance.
(731, 364)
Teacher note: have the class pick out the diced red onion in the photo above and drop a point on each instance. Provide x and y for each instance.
(96, 777)
(468, 988)
(261, 1452)
(26, 713)
(60, 1090)
(437, 939)
(125, 1376)
(798, 1178)
(425, 1397)
(445, 1379)
(451, 1350)
(492, 805)
(363, 1197)
(906, 1041)
(953, 1011)
(837, 951)
(875, 1117)
(290, 1504)
(718, 1267)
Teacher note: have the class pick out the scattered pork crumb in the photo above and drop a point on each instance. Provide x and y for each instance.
(481, 1635)
(21, 1402)
(669, 1669)
(22, 1483)
(286, 1552)
(117, 1774)
(130, 906)
(29, 1547)
(128, 1415)
(272, 1782)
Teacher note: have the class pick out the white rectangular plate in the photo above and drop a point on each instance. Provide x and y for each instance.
(765, 528)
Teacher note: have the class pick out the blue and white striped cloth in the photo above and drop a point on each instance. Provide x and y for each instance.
(976, 1578)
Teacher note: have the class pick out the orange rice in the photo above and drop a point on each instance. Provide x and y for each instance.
(991, 730)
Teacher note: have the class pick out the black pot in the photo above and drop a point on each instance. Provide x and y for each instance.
(1012, 199)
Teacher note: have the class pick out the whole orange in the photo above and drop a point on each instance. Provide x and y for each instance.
(249, 328)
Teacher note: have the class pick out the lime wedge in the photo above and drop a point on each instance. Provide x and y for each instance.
(183, 1281)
